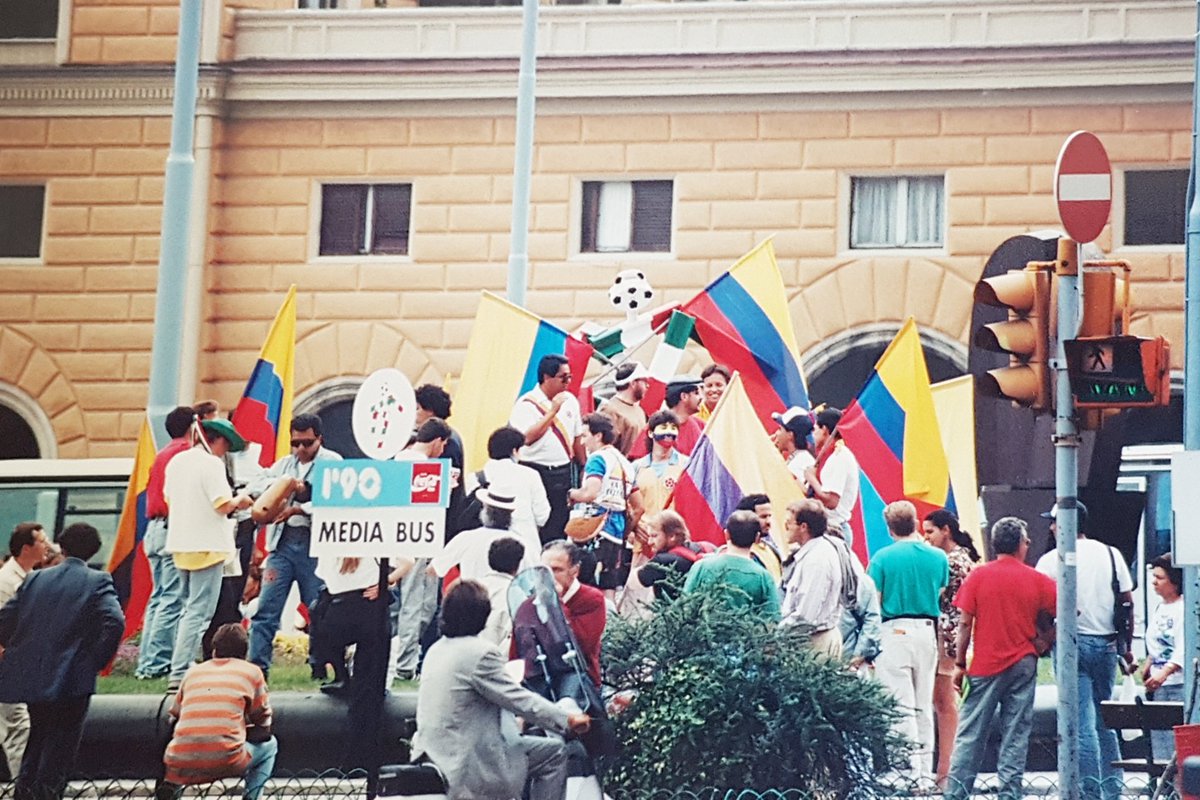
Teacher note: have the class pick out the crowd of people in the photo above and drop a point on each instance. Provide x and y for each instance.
(589, 497)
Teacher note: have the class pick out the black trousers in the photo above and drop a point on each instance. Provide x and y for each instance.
(557, 482)
(351, 619)
(54, 732)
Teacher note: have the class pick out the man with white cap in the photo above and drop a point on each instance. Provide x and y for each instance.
(469, 550)
(1103, 584)
(624, 408)
(791, 439)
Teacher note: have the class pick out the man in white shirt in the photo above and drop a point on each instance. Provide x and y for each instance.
(533, 509)
(813, 594)
(200, 533)
(506, 557)
(1097, 565)
(549, 417)
(469, 550)
(834, 482)
(27, 549)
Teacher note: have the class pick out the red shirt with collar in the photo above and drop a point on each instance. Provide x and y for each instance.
(156, 506)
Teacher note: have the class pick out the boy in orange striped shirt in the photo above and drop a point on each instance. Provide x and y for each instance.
(224, 721)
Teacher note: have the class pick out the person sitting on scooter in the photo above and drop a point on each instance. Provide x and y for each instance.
(464, 690)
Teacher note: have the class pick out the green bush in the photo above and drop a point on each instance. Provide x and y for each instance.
(723, 700)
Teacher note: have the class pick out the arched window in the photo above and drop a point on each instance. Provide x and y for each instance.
(25, 430)
(333, 401)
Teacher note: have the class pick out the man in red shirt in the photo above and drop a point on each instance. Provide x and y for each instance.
(1001, 604)
(166, 598)
(584, 605)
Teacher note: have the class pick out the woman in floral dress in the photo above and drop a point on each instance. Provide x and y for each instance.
(942, 531)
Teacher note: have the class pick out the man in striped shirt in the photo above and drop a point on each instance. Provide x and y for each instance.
(224, 721)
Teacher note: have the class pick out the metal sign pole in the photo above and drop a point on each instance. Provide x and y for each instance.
(1066, 488)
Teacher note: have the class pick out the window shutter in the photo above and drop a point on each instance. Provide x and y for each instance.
(651, 217)
(1155, 206)
(28, 19)
(393, 203)
(343, 218)
(590, 218)
(21, 221)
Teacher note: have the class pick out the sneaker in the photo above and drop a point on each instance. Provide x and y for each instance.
(406, 674)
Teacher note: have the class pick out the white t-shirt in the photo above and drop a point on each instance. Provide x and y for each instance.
(1164, 640)
(469, 550)
(363, 576)
(1093, 583)
(499, 626)
(547, 451)
(840, 475)
(194, 485)
(509, 477)
(798, 462)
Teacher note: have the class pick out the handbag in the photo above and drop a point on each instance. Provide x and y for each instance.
(584, 528)
(1120, 612)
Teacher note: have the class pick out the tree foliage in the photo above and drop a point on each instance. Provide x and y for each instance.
(722, 699)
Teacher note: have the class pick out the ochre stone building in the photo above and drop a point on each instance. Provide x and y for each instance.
(366, 155)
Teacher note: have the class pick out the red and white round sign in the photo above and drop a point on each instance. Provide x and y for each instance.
(1083, 186)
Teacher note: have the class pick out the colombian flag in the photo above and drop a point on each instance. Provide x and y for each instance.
(127, 564)
(892, 429)
(742, 319)
(733, 458)
(264, 414)
(502, 359)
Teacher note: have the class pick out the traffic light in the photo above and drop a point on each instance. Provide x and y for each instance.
(1109, 369)
(1027, 336)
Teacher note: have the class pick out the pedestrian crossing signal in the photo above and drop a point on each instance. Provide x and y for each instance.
(1119, 371)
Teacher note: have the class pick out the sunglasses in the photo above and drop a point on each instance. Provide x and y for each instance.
(303, 442)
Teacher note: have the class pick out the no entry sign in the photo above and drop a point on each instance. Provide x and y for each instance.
(1083, 186)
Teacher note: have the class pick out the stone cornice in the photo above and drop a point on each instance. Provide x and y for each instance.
(96, 91)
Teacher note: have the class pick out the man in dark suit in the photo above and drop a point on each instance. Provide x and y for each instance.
(460, 725)
(62, 627)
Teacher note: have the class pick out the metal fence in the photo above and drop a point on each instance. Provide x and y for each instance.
(336, 785)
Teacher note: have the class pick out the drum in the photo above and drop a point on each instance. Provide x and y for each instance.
(271, 502)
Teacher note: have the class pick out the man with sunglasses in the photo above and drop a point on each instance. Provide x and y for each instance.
(549, 417)
(288, 560)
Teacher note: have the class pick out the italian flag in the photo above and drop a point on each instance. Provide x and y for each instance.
(666, 359)
(631, 333)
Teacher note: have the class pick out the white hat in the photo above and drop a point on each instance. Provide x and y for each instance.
(791, 414)
(496, 498)
(636, 374)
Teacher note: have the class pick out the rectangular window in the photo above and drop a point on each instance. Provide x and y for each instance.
(897, 212)
(21, 221)
(1155, 206)
(359, 219)
(626, 217)
(28, 19)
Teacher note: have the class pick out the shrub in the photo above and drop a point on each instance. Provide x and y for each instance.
(723, 700)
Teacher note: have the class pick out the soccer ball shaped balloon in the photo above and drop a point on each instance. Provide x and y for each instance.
(631, 292)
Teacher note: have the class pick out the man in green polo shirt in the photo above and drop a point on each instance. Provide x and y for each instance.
(733, 571)
(910, 576)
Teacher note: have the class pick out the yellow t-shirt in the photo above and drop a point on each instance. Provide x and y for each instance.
(199, 560)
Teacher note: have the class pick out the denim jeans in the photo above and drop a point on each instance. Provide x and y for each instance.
(262, 763)
(1098, 747)
(200, 589)
(1004, 701)
(412, 615)
(164, 607)
(290, 562)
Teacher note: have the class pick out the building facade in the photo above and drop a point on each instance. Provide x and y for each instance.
(366, 155)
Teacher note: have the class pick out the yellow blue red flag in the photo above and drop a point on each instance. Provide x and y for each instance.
(742, 319)
(506, 344)
(733, 458)
(892, 429)
(127, 564)
(264, 414)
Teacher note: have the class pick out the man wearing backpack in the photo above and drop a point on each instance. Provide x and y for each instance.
(1104, 599)
(822, 580)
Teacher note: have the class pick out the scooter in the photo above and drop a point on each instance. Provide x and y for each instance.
(550, 663)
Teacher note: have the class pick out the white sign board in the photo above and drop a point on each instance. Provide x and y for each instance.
(1185, 508)
(385, 409)
(379, 509)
